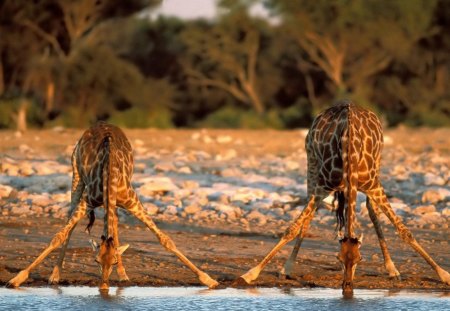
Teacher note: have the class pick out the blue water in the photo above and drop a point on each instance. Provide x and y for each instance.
(197, 299)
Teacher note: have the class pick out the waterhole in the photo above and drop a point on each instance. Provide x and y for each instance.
(197, 299)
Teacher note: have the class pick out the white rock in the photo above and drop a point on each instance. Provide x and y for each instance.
(164, 167)
(190, 184)
(195, 136)
(424, 209)
(435, 195)
(292, 165)
(255, 216)
(277, 211)
(446, 211)
(138, 143)
(151, 209)
(20, 209)
(231, 172)
(192, 209)
(432, 179)
(223, 139)
(185, 170)
(5, 191)
(171, 210)
(227, 155)
(156, 184)
(40, 199)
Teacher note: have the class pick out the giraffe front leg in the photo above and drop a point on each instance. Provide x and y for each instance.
(379, 197)
(135, 207)
(57, 240)
(56, 273)
(291, 232)
(120, 268)
(76, 194)
(388, 263)
(286, 271)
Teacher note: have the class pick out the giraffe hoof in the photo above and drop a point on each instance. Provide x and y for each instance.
(443, 275)
(208, 281)
(239, 282)
(54, 277)
(395, 277)
(21, 277)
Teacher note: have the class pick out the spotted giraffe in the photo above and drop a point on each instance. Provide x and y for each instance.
(102, 168)
(344, 151)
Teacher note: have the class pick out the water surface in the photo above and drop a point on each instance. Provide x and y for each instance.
(197, 299)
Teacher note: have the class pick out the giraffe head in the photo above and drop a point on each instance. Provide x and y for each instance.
(349, 256)
(106, 258)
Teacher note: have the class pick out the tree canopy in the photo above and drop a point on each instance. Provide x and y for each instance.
(75, 62)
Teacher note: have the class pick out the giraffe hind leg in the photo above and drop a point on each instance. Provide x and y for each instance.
(379, 197)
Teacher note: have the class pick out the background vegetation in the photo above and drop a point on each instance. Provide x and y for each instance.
(72, 63)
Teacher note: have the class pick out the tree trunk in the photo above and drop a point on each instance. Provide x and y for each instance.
(21, 120)
(254, 98)
(2, 79)
(50, 97)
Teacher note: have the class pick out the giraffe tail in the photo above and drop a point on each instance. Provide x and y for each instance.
(350, 159)
(109, 184)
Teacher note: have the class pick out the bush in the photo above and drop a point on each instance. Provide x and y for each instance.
(142, 118)
(231, 117)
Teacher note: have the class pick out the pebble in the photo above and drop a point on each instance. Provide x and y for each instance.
(435, 195)
(220, 183)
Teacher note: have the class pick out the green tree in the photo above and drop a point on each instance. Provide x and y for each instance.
(352, 41)
(225, 55)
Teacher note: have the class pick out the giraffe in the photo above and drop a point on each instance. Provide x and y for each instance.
(343, 156)
(102, 164)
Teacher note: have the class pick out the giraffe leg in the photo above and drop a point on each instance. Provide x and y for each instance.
(286, 271)
(77, 191)
(135, 207)
(379, 197)
(291, 232)
(388, 263)
(57, 240)
(120, 268)
(55, 276)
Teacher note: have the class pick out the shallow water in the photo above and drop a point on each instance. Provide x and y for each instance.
(197, 299)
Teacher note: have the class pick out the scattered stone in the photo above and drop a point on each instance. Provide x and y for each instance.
(156, 184)
(192, 209)
(255, 216)
(164, 167)
(424, 209)
(432, 179)
(435, 195)
(224, 139)
(185, 170)
(5, 191)
(227, 155)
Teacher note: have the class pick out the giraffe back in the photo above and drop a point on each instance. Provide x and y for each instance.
(91, 154)
(325, 146)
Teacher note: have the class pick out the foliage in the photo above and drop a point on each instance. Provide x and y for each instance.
(231, 117)
(81, 61)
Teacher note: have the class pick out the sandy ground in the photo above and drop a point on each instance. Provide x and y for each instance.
(223, 250)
